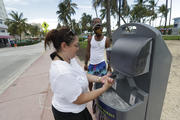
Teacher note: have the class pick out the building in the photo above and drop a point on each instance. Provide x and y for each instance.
(176, 29)
(4, 35)
(177, 22)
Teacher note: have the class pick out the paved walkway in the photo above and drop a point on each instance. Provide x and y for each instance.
(29, 97)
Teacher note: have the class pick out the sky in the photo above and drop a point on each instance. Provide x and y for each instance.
(38, 11)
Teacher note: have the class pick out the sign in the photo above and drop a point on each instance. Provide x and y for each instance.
(45, 26)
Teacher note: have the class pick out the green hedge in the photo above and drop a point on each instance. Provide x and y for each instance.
(171, 37)
(81, 39)
(27, 42)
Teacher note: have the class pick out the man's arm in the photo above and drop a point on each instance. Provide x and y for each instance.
(87, 53)
(107, 45)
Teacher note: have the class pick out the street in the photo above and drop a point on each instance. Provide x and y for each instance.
(15, 60)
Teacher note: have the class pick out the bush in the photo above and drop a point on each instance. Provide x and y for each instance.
(169, 31)
(82, 39)
(27, 42)
(171, 37)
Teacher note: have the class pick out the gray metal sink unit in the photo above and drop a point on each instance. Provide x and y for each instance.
(141, 65)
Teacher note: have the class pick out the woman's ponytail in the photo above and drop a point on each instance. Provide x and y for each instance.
(50, 37)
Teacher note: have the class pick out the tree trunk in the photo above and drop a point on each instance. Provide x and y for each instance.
(166, 13)
(108, 19)
(150, 21)
(119, 22)
(160, 21)
(20, 37)
(96, 12)
(170, 13)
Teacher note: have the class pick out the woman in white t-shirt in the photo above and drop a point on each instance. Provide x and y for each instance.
(69, 82)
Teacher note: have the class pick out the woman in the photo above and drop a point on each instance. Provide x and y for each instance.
(69, 82)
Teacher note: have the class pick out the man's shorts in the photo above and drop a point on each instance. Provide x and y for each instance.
(98, 69)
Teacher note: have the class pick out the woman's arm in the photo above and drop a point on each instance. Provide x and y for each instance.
(88, 96)
(93, 78)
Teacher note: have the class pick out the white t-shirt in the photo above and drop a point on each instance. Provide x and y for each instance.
(97, 51)
(68, 81)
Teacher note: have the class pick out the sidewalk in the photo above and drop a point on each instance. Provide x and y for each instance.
(29, 97)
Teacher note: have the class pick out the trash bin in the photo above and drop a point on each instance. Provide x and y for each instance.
(141, 64)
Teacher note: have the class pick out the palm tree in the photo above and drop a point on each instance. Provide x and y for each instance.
(139, 13)
(70, 8)
(34, 30)
(152, 10)
(58, 26)
(86, 22)
(108, 17)
(119, 13)
(103, 12)
(108, 6)
(95, 8)
(17, 24)
(125, 10)
(170, 13)
(166, 14)
(76, 27)
(163, 11)
(62, 14)
(66, 9)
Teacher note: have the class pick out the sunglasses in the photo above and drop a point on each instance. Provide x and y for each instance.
(97, 27)
(70, 33)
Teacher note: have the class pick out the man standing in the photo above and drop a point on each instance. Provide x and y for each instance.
(95, 53)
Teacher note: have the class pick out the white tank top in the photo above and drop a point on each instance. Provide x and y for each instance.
(97, 51)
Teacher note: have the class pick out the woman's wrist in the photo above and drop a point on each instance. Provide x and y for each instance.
(98, 79)
(104, 88)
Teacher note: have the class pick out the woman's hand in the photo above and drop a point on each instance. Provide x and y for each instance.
(105, 77)
(108, 82)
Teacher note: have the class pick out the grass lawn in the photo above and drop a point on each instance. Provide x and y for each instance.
(171, 37)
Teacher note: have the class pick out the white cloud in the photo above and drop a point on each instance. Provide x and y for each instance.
(84, 7)
(11, 9)
(16, 2)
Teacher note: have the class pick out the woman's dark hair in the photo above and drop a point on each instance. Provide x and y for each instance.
(58, 36)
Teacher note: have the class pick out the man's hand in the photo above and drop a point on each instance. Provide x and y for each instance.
(109, 68)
